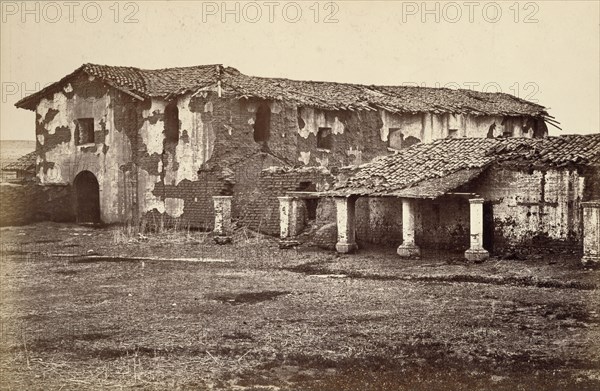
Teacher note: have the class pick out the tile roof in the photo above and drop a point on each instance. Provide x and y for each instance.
(169, 82)
(429, 170)
(140, 83)
(26, 162)
(395, 99)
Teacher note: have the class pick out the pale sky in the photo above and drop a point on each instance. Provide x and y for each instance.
(545, 51)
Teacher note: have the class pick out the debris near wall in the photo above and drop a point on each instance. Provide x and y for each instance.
(280, 181)
(326, 236)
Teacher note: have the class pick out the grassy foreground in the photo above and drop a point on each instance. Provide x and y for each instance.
(84, 308)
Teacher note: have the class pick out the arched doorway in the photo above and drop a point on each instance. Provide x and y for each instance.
(87, 198)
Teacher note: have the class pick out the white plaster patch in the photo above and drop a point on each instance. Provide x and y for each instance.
(315, 119)
(251, 121)
(208, 107)
(42, 109)
(54, 175)
(62, 118)
(580, 184)
(150, 201)
(357, 153)
(324, 162)
(229, 129)
(68, 88)
(308, 116)
(276, 107)
(152, 134)
(174, 206)
(192, 154)
(304, 157)
(252, 107)
(40, 139)
(384, 132)
(338, 127)
(188, 167)
(411, 125)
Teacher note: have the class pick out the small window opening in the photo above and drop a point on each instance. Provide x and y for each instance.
(262, 123)
(311, 208)
(324, 138)
(410, 141)
(172, 123)
(507, 133)
(490, 133)
(395, 138)
(84, 131)
(452, 133)
(306, 186)
(311, 204)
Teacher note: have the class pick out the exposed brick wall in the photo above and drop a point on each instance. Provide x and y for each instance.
(379, 220)
(443, 223)
(198, 211)
(23, 204)
(534, 208)
(254, 186)
(276, 183)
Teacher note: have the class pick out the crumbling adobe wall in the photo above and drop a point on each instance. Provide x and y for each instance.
(442, 223)
(28, 203)
(379, 220)
(426, 127)
(218, 133)
(356, 137)
(533, 207)
(277, 182)
(60, 159)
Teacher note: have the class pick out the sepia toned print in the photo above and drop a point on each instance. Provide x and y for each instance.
(300, 195)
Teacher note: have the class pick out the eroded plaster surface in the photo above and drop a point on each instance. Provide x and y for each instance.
(215, 153)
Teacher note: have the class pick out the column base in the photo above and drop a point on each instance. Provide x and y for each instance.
(345, 248)
(222, 239)
(591, 260)
(285, 244)
(409, 251)
(477, 255)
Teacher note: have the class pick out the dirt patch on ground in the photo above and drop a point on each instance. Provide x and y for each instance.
(300, 319)
(319, 269)
(247, 297)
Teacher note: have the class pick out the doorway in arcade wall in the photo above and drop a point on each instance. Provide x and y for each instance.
(488, 226)
(87, 198)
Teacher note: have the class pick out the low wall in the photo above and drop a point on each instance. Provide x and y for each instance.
(27, 203)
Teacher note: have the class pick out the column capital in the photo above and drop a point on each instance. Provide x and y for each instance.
(345, 197)
(591, 204)
(476, 200)
(222, 197)
(285, 198)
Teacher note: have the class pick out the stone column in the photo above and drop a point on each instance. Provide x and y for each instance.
(591, 233)
(288, 217)
(222, 206)
(346, 241)
(476, 252)
(408, 248)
